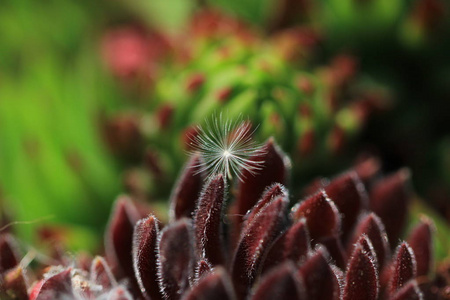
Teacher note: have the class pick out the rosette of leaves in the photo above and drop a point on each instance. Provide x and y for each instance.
(340, 242)
(226, 66)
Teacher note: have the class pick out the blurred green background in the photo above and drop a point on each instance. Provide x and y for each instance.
(57, 97)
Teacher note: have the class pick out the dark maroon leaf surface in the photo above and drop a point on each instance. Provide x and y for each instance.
(320, 280)
(255, 241)
(119, 236)
(281, 282)
(275, 169)
(9, 256)
(322, 216)
(293, 244)
(176, 259)
(403, 267)
(144, 251)
(372, 226)
(389, 199)
(361, 282)
(409, 291)
(216, 285)
(184, 197)
(208, 221)
(350, 196)
(203, 268)
(420, 240)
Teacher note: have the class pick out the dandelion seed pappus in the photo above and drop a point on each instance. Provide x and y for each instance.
(226, 147)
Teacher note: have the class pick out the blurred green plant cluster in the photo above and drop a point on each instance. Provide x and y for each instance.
(53, 163)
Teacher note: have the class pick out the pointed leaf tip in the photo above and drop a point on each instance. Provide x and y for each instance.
(255, 241)
(203, 268)
(101, 274)
(410, 291)
(293, 244)
(321, 214)
(273, 191)
(404, 267)
(350, 196)
(275, 168)
(389, 199)
(361, 280)
(187, 189)
(119, 235)
(321, 281)
(420, 240)
(208, 221)
(371, 226)
(144, 249)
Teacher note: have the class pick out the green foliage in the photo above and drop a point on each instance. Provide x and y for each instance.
(53, 162)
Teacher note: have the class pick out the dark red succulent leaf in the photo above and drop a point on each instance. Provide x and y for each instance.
(420, 240)
(184, 197)
(215, 285)
(410, 291)
(145, 239)
(335, 249)
(119, 236)
(293, 244)
(254, 244)
(314, 186)
(361, 282)
(282, 282)
(56, 286)
(349, 194)
(389, 199)
(101, 274)
(119, 293)
(14, 284)
(9, 252)
(273, 191)
(203, 268)
(208, 226)
(403, 268)
(275, 169)
(321, 214)
(371, 226)
(176, 258)
(320, 280)
(367, 170)
(367, 246)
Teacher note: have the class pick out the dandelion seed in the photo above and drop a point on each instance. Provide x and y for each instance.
(227, 147)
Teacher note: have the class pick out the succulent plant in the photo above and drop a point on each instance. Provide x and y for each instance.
(313, 110)
(245, 242)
